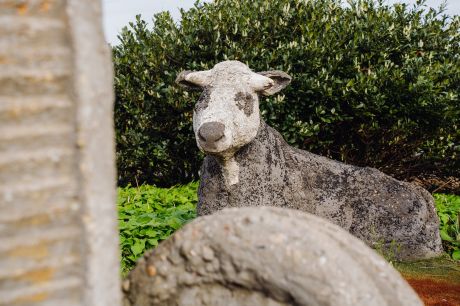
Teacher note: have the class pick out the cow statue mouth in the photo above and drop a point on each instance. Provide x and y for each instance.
(216, 150)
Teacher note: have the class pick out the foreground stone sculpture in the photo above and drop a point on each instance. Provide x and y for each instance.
(58, 224)
(264, 256)
(249, 164)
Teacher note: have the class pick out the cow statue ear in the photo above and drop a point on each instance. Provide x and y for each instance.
(194, 80)
(280, 81)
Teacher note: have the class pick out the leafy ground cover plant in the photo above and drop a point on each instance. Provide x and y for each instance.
(448, 207)
(148, 215)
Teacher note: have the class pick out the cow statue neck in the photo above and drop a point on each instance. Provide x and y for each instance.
(227, 117)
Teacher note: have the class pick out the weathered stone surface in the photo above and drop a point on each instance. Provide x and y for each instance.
(252, 166)
(264, 256)
(58, 236)
(374, 207)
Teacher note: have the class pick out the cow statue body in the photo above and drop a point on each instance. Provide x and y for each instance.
(248, 163)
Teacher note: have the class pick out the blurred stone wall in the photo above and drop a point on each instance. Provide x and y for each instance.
(58, 236)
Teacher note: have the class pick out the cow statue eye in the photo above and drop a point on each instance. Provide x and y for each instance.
(245, 102)
(203, 101)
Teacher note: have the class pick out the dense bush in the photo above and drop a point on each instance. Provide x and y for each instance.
(372, 84)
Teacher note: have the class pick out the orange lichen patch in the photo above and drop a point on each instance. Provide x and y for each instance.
(34, 220)
(151, 270)
(436, 292)
(14, 112)
(35, 298)
(45, 6)
(22, 8)
(38, 276)
(37, 251)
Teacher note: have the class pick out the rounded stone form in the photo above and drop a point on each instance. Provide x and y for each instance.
(264, 256)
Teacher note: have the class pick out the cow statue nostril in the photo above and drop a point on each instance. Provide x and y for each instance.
(211, 131)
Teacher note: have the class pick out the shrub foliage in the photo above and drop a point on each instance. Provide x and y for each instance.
(373, 84)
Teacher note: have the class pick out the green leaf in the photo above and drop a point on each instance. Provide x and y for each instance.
(153, 242)
(151, 233)
(444, 218)
(445, 236)
(456, 254)
(138, 246)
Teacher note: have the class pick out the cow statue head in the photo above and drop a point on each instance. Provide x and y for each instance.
(226, 116)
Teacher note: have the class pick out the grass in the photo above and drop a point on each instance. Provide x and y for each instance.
(147, 215)
(441, 268)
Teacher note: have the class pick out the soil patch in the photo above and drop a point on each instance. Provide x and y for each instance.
(436, 293)
(433, 183)
(436, 281)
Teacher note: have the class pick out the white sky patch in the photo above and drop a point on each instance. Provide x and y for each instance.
(452, 8)
(117, 13)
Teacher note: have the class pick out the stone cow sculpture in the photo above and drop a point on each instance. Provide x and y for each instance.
(248, 163)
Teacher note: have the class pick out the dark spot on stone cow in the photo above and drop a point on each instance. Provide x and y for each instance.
(360, 216)
(203, 101)
(245, 102)
(269, 159)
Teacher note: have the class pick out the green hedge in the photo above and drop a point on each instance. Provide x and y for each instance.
(372, 84)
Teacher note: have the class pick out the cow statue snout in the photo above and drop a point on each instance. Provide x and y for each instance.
(211, 132)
